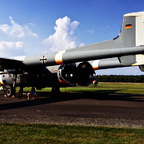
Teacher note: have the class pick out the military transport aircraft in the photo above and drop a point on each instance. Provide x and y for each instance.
(78, 65)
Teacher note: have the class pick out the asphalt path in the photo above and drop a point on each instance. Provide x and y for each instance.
(96, 109)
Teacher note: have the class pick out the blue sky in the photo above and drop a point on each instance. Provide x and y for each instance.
(29, 27)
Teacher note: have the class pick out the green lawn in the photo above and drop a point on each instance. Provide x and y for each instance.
(41, 133)
(102, 87)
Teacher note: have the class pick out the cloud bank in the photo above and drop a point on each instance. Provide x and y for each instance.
(16, 30)
(8, 44)
(63, 37)
(17, 39)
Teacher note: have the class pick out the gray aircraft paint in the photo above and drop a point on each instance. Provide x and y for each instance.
(76, 56)
(106, 63)
(125, 46)
(71, 67)
(129, 37)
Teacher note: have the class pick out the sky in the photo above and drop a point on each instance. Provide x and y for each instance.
(33, 27)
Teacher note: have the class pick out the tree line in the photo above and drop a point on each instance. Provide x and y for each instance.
(120, 78)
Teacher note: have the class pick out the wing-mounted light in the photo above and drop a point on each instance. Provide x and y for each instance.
(67, 74)
(85, 74)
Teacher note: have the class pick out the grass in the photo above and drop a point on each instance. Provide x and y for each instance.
(124, 88)
(41, 133)
(102, 87)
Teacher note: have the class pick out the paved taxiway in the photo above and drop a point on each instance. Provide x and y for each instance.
(116, 110)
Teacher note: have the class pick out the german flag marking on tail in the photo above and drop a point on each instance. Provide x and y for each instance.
(128, 26)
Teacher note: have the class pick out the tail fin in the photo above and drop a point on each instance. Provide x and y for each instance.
(132, 30)
(132, 34)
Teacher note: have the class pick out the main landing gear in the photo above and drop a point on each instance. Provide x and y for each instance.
(9, 91)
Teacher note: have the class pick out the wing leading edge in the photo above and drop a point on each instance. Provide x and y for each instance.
(129, 42)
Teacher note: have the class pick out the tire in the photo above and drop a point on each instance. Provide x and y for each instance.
(8, 91)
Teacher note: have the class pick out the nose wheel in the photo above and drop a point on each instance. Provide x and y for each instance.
(10, 91)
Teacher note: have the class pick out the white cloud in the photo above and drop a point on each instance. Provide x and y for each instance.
(16, 29)
(18, 40)
(10, 45)
(19, 44)
(63, 37)
(90, 31)
(32, 24)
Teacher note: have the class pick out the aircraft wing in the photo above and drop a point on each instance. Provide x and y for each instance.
(65, 57)
(124, 61)
(61, 68)
(9, 63)
(129, 42)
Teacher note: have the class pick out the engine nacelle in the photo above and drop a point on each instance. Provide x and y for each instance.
(67, 74)
(85, 74)
(9, 79)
